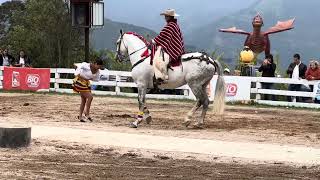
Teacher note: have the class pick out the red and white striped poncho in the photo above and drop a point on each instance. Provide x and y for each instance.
(170, 39)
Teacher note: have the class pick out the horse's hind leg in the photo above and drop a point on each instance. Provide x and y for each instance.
(199, 90)
(205, 105)
(187, 119)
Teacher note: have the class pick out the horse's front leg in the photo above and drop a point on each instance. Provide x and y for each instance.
(143, 111)
(143, 108)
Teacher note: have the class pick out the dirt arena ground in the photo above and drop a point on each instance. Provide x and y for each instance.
(61, 160)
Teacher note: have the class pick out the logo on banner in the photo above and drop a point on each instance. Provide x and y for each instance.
(15, 79)
(232, 89)
(33, 80)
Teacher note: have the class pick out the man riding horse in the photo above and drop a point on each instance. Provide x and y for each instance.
(170, 40)
(197, 72)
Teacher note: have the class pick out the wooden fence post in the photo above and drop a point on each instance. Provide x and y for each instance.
(56, 77)
(258, 86)
(117, 88)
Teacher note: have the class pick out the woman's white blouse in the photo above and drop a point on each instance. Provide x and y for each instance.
(84, 71)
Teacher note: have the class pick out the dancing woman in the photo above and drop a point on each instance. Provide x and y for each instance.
(81, 84)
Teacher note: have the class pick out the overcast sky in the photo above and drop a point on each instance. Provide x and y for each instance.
(193, 12)
(146, 12)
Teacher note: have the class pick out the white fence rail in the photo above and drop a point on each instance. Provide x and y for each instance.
(117, 80)
(315, 91)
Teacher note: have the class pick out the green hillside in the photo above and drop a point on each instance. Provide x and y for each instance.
(106, 37)
(303, 39)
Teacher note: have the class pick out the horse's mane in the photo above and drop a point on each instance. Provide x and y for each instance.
(139, 36)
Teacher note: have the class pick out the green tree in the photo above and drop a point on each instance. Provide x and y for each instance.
(7, 10)
(110, 61)
(43, 29)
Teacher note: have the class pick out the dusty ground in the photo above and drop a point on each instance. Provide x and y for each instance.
(271, 125)
(59, 160)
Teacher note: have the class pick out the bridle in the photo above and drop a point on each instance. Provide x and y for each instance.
(125, 58)
(120, 57)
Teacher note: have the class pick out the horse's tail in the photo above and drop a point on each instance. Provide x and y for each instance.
(220, 92)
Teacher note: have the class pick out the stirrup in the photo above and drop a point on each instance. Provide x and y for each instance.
(160, 81)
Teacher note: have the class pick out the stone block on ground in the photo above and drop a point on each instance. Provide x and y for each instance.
(14, 137)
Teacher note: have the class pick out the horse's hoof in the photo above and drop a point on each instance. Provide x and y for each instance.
(198, 126)
(148, 119)
(186, 123)
(133, 125)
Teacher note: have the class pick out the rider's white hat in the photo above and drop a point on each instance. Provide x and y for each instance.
(169, 12)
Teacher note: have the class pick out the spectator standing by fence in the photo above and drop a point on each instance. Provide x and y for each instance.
(268, 69)
(313, 71)
(297, 70)
(6, 59)
(312, 74)
(23, 60)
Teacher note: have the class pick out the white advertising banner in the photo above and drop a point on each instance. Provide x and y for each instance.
(237, 88)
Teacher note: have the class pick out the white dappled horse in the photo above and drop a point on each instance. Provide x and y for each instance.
(197, 70)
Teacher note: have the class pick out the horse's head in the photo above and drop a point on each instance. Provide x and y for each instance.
(122, 50)
(129, 45)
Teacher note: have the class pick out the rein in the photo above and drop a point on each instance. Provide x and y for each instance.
(138, 62)
(128, 56)
(136, 51)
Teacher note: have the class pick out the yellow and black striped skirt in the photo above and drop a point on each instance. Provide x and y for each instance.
(81, 85)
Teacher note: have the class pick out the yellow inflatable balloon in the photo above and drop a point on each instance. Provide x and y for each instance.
(246, 55)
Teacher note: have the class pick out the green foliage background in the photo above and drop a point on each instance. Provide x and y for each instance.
(43, 29)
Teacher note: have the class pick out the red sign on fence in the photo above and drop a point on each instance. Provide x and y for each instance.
(232, 89)
(33, 79)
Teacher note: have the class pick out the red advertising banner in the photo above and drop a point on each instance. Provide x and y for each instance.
(15, 78)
